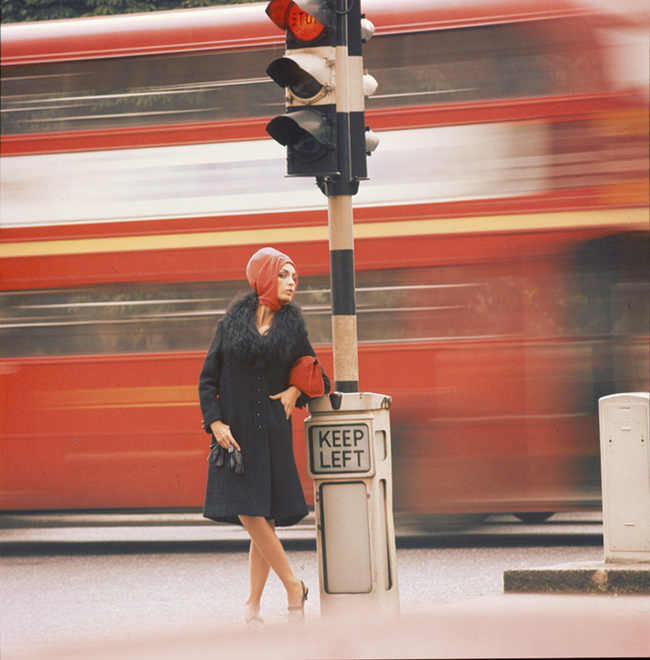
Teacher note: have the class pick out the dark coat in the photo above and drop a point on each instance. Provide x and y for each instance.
(241, 370)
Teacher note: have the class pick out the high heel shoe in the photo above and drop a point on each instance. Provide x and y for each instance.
(297, 612)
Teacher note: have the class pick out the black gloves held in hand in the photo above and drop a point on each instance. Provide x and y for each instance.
(232, 456)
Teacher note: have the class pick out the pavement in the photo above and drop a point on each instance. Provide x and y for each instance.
(491, 626)
(563, 611)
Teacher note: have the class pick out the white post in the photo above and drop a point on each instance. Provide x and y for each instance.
(625, 469)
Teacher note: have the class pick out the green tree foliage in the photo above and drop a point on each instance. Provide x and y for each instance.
(14, 11)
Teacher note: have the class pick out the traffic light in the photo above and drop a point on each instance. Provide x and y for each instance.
(306, 71)
(324, 128)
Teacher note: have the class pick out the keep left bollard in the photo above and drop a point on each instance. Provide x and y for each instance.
(349, 459)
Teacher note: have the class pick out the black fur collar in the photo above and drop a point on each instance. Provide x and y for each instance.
(241, 332)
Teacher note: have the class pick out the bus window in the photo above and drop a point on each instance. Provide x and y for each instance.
(138, 91)
(392, 306)
(518, 60)
(112, 319)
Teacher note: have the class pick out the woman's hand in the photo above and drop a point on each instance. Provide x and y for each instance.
(288, 399)
(223, 435)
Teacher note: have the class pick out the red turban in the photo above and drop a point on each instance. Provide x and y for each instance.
(262, 273)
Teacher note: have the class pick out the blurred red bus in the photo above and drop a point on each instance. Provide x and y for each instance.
(501, 247)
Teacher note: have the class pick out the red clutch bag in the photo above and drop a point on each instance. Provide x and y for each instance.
(307, 376)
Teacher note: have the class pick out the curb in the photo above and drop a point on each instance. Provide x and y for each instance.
(587, 578)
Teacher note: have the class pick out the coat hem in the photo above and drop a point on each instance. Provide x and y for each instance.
(284, 521)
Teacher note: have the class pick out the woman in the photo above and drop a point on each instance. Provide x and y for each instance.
(247, 401)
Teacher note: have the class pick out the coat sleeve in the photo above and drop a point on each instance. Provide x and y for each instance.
(303, 347)
(209, 382)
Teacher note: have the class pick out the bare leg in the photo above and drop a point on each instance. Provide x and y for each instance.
(259, 573)
(270, 548)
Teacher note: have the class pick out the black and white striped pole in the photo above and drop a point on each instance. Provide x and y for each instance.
(339, 190)
(348, 433)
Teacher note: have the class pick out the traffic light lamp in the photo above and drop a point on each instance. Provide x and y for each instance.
(307, 22)
(309, 137)
(306, 71)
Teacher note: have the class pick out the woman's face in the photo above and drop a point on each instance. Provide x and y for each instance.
(287, 282)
